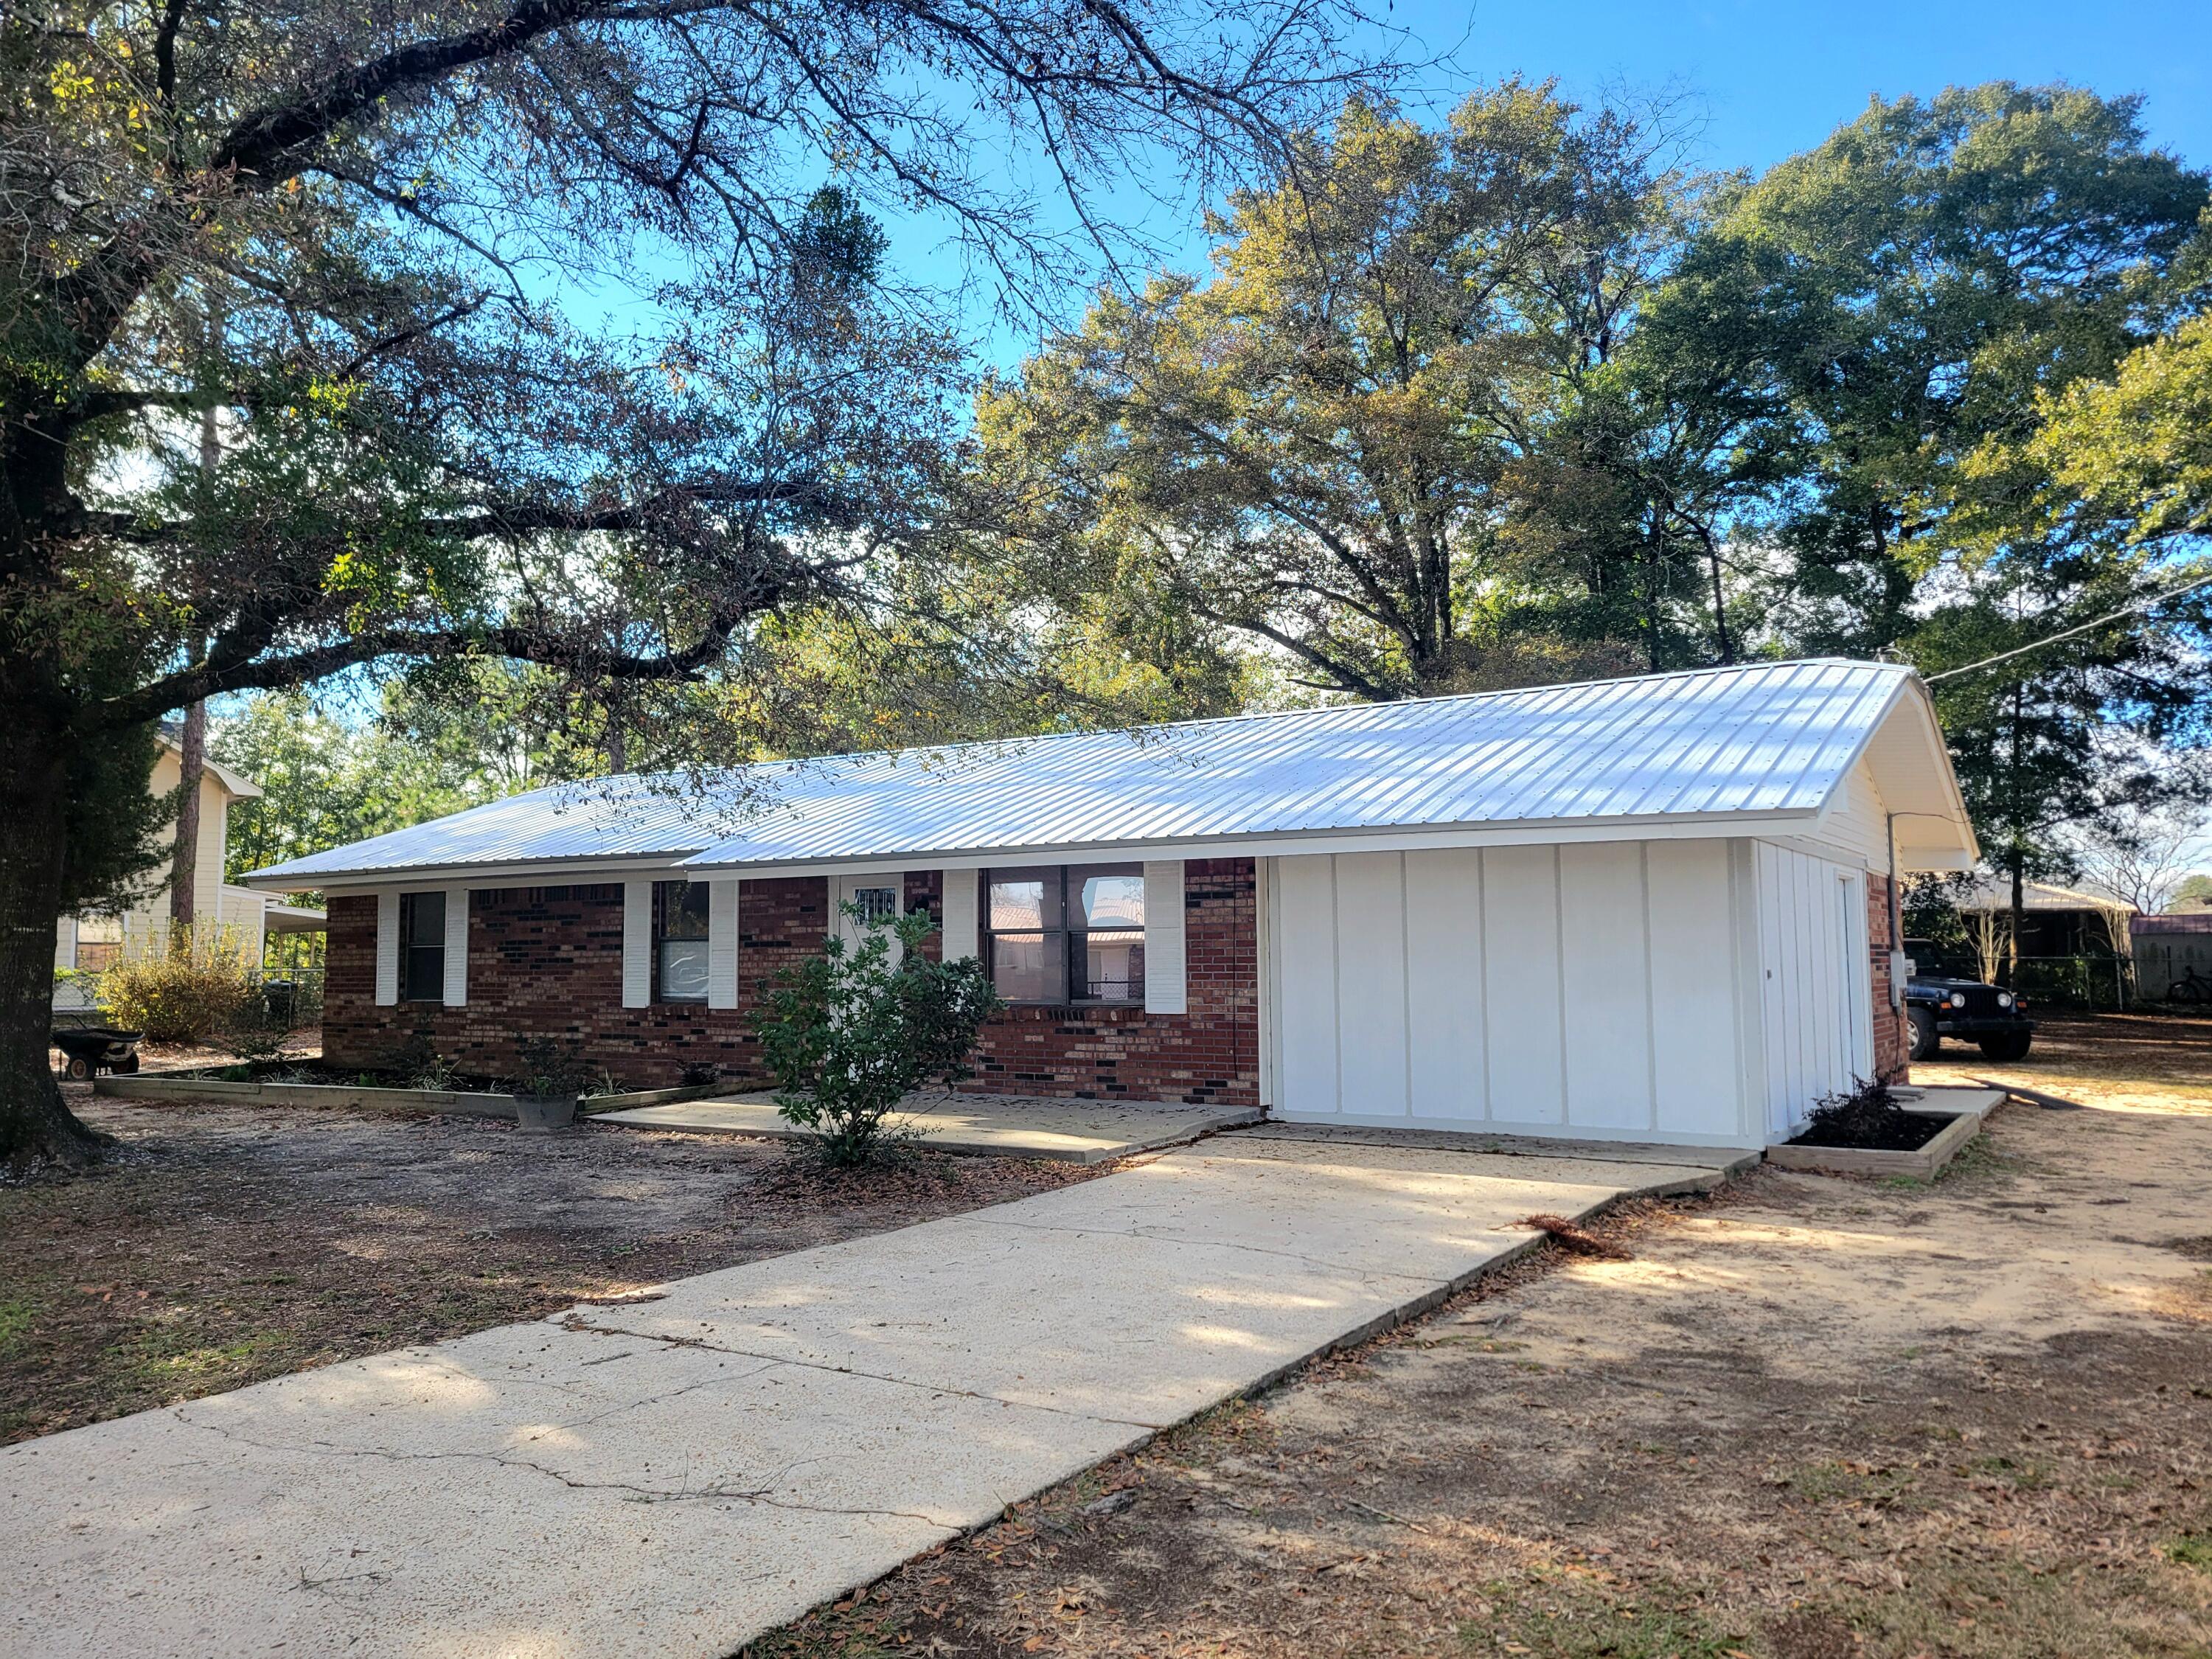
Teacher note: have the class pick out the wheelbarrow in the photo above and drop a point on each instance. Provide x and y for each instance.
(86, 1049)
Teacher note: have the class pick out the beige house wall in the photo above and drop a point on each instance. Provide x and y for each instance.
(215, 901)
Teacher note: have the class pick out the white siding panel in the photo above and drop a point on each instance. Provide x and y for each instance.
(1444, 986)
(1520, 984)
(1371, 984)
(637, 943)
(963, 916)
(1594, 990)
(1165, 970)
(1814, 977)
(1609, 993)
(722, 927)
(1854, 829)
(457, 947)
(388, 948)
(1694, 1040)
(1305, 956)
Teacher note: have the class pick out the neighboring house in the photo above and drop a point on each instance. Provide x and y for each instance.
(2055, 921)
(1648, 910)
(2173, 956)
(96, 940)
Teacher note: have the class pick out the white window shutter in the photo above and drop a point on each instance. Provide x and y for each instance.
(457, 947)
(1164, 973)
(388, 948)
(722, 944)
(963, 917)
(637, 943)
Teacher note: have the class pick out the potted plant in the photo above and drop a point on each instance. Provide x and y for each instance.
(552, 1077)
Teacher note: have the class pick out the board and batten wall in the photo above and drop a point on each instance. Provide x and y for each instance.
(1616, 990)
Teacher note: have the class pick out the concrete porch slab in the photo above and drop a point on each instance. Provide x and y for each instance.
(989, 1126)
(1948, 1100)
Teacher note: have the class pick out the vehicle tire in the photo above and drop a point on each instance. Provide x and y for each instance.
(1925, 1043)
(2013, 1045)
(128, 1063)
(77, 1070)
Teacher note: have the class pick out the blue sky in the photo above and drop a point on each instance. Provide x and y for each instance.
(1764, 78)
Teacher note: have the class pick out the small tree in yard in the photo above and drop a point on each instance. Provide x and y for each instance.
(848, 1033)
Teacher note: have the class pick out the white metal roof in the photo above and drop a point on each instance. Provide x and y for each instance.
(1764, 740)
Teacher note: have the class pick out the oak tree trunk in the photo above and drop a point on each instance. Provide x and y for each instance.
(35, 1127)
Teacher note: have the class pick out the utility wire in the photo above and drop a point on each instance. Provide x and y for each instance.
(2151, 603)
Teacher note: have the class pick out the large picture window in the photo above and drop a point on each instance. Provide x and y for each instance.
(680, 941)
(1060, 935)
(422, 947)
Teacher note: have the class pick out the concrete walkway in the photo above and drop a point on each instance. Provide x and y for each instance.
(673, 1476)
(996, 1126)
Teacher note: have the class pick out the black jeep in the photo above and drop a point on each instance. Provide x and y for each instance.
(1943, 999)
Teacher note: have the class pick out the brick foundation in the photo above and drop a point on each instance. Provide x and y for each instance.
(1892, 1032)
(546, 961)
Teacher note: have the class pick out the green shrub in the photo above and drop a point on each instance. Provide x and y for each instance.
(196, 984)
(847, 1035)
(552, 1068)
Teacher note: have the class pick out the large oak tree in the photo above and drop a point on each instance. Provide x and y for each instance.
(360, 233)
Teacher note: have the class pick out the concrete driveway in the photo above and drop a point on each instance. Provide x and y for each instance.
(673, 1476)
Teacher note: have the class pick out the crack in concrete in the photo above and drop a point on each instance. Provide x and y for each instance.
(580, 1328)
(633, 1491)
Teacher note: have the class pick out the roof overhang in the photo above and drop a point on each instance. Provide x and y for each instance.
(1533, 833)
(240, 786)
(1912, 772)
(541, 872)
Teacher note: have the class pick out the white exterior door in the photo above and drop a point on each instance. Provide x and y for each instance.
(1816, 984)
(877, 897)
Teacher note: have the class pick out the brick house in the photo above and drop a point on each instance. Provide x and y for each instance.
(1658, 910)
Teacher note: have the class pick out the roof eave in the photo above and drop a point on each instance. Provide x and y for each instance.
(1406, 837)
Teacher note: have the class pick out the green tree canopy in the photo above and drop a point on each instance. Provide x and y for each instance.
(1317, 447)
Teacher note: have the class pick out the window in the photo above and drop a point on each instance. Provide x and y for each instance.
(99, 943)
(422, 947)
(876, 904)
(1062, 934)
(680, 941)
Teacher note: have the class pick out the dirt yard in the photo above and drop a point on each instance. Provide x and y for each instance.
(1811, 1419)
(224, 1245)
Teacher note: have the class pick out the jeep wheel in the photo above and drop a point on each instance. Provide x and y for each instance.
(2013, 1045)
(1924, 1040)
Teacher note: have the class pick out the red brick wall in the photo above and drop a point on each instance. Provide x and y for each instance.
(547, 962)
(1210, 1055)
(1893, 1037)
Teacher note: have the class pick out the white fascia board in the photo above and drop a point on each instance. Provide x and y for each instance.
(1930, 730)
(585, 867)
(1684, 827)
(590, 868)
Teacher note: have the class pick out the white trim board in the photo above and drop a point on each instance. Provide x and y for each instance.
(677, 866)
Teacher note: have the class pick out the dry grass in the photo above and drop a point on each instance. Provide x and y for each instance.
(1811, 1418)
